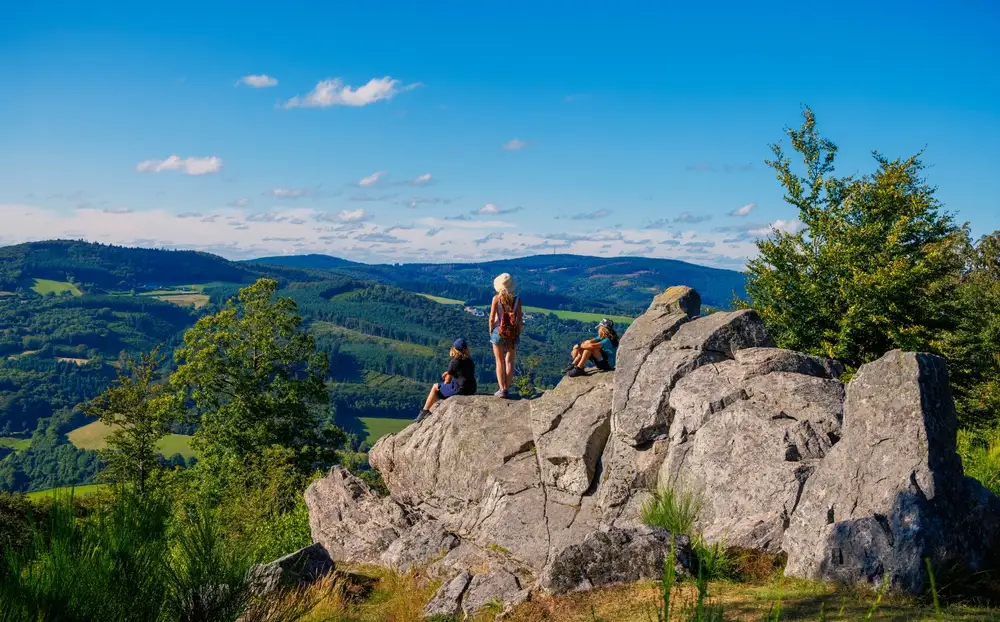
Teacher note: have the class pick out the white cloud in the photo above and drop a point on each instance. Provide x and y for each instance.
(743, 211)
(258, 81)
(333, 92)
(372, 179)
(421, 179)
(188, 166)
(785, 226)
(514, 144)
(241, 202)
(287, 193)
(351, 215)
(491, 209)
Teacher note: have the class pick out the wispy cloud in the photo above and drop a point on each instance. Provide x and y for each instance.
(333, 92)
(190, 215)
(496, 235)
(351, 215)
(432, 232)
(492, 210)
(371, 180)
(118, 210)
(743, 211)
(286, 193)
(661, 223)
(416, 202)
(515, 144)
(689, 218)
(595, 215)
(241, 202)
(380, 238)
(258, 81)
(785, 226)
(420, 180)
(187, 166)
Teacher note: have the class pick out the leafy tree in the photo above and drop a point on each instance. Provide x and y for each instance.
(257, 382)
(973, 347)
(873, 267)
(140, 410)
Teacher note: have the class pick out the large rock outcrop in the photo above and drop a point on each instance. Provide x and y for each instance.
(891, 493)
(550, 491)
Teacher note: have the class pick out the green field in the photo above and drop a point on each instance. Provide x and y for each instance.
(44, 286)
(17, 444)
(440, 300)
(78, 491)
(94, 436)
(359, 337)
(377, 427)
(583, 316)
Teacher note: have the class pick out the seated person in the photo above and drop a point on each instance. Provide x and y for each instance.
(460, 379)
(598, 352)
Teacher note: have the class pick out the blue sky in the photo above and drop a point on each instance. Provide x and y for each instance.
(455, 131)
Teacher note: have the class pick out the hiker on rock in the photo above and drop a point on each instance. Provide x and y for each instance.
(506, 322)
(600, 352)
(460, 379)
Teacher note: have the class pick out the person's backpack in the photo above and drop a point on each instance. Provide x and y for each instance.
(509, 329)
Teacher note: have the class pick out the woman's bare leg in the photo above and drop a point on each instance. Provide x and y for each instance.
(511, 353)
(432, 397)
(498, 354)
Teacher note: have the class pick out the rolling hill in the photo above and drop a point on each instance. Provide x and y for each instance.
(573, 282)
(60, 343)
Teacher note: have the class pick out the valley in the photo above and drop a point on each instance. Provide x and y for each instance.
(73, 308)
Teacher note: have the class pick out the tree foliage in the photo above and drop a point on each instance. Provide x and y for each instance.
(140, 410)
(873, 266)
(256, 381)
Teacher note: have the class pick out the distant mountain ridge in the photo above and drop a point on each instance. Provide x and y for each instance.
(553, 281)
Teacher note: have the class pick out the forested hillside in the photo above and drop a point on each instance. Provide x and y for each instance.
(77, 308)
(618, 285)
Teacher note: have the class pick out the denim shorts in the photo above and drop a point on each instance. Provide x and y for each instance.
(497, 341)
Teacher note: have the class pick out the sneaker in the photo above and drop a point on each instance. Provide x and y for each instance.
(576, 372)
(421, 416)
(567, 369)
(500, 393)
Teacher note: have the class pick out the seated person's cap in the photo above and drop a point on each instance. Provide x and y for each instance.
(606, 322)
(460, 344)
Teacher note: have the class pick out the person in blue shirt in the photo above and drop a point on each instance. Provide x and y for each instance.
(600, 352)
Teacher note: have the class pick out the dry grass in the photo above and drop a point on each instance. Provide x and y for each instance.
(800, 601)
(368, 594)
(185, 300)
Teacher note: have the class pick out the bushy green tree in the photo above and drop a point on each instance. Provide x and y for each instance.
(256, 381)
(140, 410)
(873, 267)
(973, 347)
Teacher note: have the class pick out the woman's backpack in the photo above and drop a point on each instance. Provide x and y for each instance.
(509, 328)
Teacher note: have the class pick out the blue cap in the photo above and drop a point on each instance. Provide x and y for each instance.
(460, 344)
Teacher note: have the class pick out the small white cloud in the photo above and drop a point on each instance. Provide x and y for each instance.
(258, 81)
(743, 211)
(351, 215)
(241, 202)
(422, 179)
(785, 226)
(334, 92)
(514, 144)
(287, 193)
(372, 179)
(491, 209)
(188, 166)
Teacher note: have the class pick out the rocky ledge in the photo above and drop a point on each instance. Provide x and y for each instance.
(854, 483)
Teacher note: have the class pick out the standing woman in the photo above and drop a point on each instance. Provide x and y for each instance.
(506, 321)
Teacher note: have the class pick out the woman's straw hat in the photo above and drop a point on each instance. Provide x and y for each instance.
(503, 282)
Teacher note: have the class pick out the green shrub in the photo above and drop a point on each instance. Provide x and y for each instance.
(674, 509)
(980, 451)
